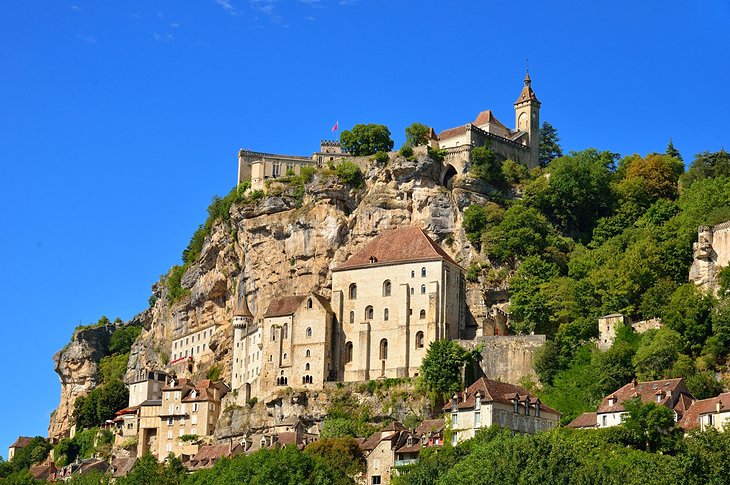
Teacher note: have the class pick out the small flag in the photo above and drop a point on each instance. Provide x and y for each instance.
(337, 125)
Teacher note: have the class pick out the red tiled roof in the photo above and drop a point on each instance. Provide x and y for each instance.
(495, 391)
(131, 410)
(647, 392)
(122, 466)
(404, 245)
(691, 418)
(452, 132)
(585, 420)
(177, 384)
(284, 306)
(487, 116)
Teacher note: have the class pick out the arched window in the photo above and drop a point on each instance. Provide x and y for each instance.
(306, 366)
(368, 312)
(285, 356)
(309, 303)
(352, 317)
(384, 349)
(412, 290)
(285, 331)
(308, 354)
(423, 289)
(348, 352)
(422, 315)
(309, 332)
(273, 334)
(413, 274)
(353, 291)
(386, 288)
(385, 315)
(419, 340)
(423, 272)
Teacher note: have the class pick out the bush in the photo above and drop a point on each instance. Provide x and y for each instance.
(406, 151)
(381, 158)
(307, 174)
(175, 291)
(349, 173)
(123, 338)
(214, 373)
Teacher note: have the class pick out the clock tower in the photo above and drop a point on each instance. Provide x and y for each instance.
(527, 120)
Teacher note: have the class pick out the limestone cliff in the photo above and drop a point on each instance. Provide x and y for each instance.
(287, 244)
(77, 367)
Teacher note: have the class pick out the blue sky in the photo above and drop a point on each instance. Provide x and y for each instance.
(120, 120)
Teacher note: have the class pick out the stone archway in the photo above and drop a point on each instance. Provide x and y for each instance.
(447, 176)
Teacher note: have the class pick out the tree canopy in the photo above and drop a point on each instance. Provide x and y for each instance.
(366, 139)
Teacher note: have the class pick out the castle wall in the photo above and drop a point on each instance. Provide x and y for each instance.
(507, 358)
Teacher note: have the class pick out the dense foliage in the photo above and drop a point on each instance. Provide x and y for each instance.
(607, 456)
(417, 134)
(366, 139)
(441, 368)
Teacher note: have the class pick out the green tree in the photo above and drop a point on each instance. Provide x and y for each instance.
(688, 313)
(339, 453)
(673, 152)
(528, 303)
(441, 367)
(707, 165)
(349, 173)
(652, 425)
(477, 218)
(122, 339)
(366, 139)
(657, 353)
(417, 134)
(549, 148)
(486, 166)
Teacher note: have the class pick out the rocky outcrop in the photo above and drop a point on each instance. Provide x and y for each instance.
(287, 244)
(711, 254)
(77, 367)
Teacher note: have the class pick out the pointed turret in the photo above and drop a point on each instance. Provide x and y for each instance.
(242, 310)
(527, 120)
(527, 93)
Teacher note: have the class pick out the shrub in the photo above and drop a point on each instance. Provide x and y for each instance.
(214, 373)
(406, 151)
(472, 273)
(306, 174)
(349, 173)
(175, 291)
(417, 134)
(381, 158)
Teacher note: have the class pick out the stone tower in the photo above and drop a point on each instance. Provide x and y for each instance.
(527, 119)
(242, 328)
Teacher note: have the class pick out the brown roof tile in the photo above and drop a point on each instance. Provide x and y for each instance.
(647, 392)
(452, 132)
(495, 391)
(284, 306)
(242, 310)
(585, 420)
(691, 417)
(21, 442)
(431, 426)
(487, 116)
(404, 245)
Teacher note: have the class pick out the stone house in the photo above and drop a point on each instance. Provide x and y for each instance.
(609, 324)
(392, 298)
(18, 444)
(488, 403)
(146, 385)
(297, 343)
(708, 413)
(670, 393)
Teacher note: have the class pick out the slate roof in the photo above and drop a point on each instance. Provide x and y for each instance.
(395, 246)
(585, 420)
(122, 466)
(648, 392)
(242, 310)
(495, 391)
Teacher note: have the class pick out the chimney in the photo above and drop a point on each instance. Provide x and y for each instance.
(718, 406)
(633, 383)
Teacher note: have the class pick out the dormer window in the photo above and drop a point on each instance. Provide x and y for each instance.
(527, 407)
(477, 401)
(454, 403)
(516, 404)
(611, 401)
(409, 441)
(658, 398)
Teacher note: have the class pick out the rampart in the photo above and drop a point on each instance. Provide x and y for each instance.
(507, 358)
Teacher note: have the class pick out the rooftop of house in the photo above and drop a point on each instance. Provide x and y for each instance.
(122, 466)
(177, 384)
(659, 392)
(21, 442)
(585, 420)
(691, 418)
(288, 305)
(397, 246)
(429, 426)
(495, 391)
(207, 455)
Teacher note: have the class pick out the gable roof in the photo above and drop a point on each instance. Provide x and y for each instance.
(21, 442)
(648, 392)
(691, 418)
(452, 132)
(496, 391)
(431, 426)
(487, 116)
(284, 306)
(406, 245)
(585, 420)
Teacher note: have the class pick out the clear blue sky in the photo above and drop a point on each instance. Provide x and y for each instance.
(120, 120)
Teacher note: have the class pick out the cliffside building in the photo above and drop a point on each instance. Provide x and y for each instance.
(247, 352)
(392, 298)
(488, 403)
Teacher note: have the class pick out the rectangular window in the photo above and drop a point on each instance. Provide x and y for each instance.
(455, 439)
(169, 447)
(195, 407)
(376, 480)
(169, 435)
(194, 419)
(477, 419)
(454, 420)
(169, 421)
(604, 421)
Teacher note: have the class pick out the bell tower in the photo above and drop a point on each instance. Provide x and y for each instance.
(527, 119)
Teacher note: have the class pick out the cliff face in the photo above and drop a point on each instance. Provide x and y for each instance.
(77, 367)
(287, 245)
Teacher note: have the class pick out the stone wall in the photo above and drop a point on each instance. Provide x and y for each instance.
(507, 358)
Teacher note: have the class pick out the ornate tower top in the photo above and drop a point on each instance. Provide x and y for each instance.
(242, 311)
(527, 93)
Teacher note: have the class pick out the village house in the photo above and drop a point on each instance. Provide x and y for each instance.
(708, 413)
(392, 298)
(18, 444)
(488, 403)
(670, 393)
